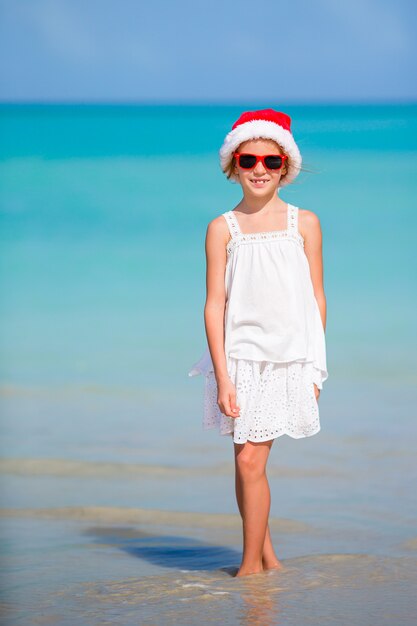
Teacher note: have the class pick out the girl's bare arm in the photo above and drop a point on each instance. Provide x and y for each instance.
(214, 310)
(216, 240)
(311, 231)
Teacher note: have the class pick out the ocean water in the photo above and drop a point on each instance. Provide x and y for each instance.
(117, 507)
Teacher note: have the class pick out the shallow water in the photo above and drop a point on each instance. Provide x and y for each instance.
(107, 541)
(97, 571)
(117, 507)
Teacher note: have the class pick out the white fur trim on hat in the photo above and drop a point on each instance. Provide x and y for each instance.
(256, 129)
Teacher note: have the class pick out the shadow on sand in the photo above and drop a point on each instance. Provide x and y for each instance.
(168, 550)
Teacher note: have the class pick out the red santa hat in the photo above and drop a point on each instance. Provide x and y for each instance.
(265, 124)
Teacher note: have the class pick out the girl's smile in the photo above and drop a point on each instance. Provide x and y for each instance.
(259, 182)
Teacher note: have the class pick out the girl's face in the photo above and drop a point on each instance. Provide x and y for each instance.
(250, 179)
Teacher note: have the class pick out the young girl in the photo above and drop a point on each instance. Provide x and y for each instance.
(265, 317)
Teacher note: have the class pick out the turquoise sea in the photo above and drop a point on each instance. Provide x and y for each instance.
(117, 507)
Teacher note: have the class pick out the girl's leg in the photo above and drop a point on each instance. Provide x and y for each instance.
(269, 558)
(253, 497)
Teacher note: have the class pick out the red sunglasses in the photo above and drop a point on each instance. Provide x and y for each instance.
(270, 161)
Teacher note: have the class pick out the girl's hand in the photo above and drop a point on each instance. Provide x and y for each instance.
(226, 398)
(316, 391)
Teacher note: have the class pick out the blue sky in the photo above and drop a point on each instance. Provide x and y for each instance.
(201, 51)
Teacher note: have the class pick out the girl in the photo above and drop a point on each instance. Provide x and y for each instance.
(265, 317)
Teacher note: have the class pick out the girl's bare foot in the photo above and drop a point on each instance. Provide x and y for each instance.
(270, 559)
(275, 564)
(242, 572)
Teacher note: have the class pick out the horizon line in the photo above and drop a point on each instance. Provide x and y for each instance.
(214, 103)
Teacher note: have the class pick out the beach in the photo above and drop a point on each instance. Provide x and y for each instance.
(116, 506)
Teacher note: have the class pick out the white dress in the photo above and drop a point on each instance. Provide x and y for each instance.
(274, 338)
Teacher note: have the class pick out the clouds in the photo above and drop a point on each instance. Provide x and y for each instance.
(176, 51)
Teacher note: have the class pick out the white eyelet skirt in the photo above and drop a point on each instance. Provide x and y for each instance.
(274, 398)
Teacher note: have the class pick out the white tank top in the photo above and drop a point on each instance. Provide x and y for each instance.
(271, 312)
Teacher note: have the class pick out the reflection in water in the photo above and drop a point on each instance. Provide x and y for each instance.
(261, 600)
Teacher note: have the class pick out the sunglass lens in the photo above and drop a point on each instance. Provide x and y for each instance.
(247, 161)
(273, 162)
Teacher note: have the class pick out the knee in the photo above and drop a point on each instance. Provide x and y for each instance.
(249, 467)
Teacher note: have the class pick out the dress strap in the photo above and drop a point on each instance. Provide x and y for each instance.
(232, 223)
(292, 219)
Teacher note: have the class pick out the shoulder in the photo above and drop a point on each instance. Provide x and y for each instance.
(218, 226)
(308, 223)
(218, 230)
(217, 223)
